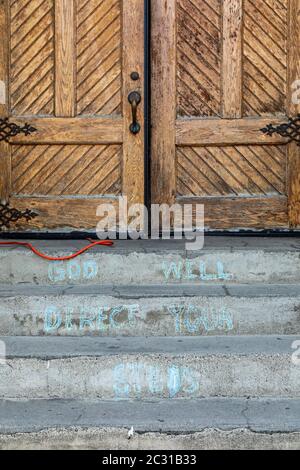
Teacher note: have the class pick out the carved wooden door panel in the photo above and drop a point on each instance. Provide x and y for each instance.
(65, 69)
(222, 71)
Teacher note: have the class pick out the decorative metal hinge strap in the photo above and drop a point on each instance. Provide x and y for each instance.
(290, 129)
(9, 215)
(10, 129)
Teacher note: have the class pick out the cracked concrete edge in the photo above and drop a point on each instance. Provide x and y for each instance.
(166, 416)
(47, 348)
(149, 291)
(116, 439)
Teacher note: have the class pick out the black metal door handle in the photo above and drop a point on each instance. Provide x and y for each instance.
(134, 99)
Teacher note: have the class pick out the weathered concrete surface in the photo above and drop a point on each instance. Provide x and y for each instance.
(148, 368)
(150, 278)
(155, 290)
(241, 260)
(166, 416)
(116, 439)
(206, 311)
(59, 348)
(175, 425)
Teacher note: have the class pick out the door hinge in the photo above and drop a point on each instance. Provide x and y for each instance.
(290, 130)
(11, 129)
(10, 215)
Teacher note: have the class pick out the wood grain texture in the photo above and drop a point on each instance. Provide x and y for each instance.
(32, 57)
(224, 213)
(198, 60)
(5, 164)
(265, 57)
(65, 58)
(133, 61)
(99, 56)
(243, 213)
(231, 171)
(82, 152)
(236, 52)
(232, 58)
(61, 213)
(294, 109)
(294, 185)
(219, 132)
(60, 170)
(72, 131)
(198, 57)
(163, 46)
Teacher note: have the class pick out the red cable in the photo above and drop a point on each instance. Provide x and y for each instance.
(64, 258)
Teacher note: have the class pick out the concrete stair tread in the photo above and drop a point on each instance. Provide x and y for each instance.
(91, 345)
(267, 244)
(149, 310)
(157, 262)
(63, 347)
(148, 291)
(202, 424)
(165, 416)
(124, 368)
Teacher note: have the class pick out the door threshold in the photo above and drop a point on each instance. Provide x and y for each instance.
(93, 235)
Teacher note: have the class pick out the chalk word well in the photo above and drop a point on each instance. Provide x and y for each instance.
(72, 271)
(133, 379)
(192, 271)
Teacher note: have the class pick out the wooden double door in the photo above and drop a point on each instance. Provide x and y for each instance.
(221, 71)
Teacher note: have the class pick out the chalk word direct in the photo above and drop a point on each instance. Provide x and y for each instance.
(192, 271)
(72, 271)
(193, 320)
(132, 380)
(95, 319)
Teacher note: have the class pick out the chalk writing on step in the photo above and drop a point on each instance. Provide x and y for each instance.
(193, 319)
(74, 270)
(184, 319)
(193, 271)
(94, 319)
(133, 379)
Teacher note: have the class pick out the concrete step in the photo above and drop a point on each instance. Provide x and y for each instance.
(223, 260)
(220, 423)
(149, 368)
(185, 310)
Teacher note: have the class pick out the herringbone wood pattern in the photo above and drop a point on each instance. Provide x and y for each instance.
(99, 57)
(265, 56)
(32, 57)
(66, 169)
(224, 171)
(198, 57)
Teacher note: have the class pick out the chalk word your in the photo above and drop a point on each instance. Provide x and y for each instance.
(193, 320)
